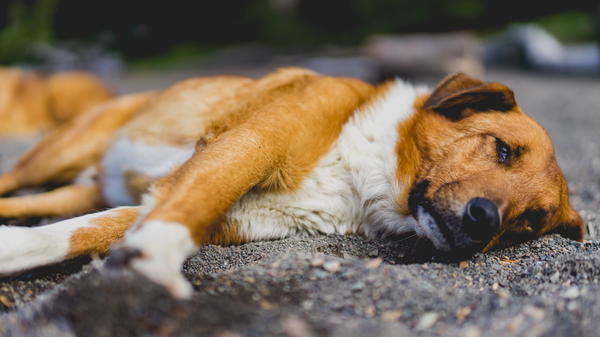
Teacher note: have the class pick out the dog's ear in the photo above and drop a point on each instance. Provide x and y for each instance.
(459, 96)
(573, 227)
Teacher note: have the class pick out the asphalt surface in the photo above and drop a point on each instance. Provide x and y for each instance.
(350, 286)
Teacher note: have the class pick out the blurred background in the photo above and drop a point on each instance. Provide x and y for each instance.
(126, 42)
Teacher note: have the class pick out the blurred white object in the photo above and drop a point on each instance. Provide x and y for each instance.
(538, 49)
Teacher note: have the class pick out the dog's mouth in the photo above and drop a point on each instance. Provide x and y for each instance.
(460, 236)
(431, 228)
(429, 223)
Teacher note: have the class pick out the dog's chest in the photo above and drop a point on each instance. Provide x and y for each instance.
(353, 188)
(326, 202)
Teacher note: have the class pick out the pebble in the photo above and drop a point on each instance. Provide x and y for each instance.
(515, 323)
(571, 293)
(374, 263)
(462, 313)
(6, 302)
(317, 261)
(471, 331)
(332, 266)
(427, 320)
(502, 293)
(534, 312)
(391, 315)
(373, 252)
(464, 264)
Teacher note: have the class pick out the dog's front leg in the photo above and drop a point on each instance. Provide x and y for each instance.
(279, 142)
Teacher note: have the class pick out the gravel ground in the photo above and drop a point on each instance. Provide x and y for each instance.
(349, 286)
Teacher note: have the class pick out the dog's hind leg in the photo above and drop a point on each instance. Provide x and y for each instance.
(23, 248)
(67, 200)
(80, 143)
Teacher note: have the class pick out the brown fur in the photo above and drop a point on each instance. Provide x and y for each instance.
(102, 232)
(31, 102)
(79, 144)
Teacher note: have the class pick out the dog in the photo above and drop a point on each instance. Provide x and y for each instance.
(227, 160)
(32, 103)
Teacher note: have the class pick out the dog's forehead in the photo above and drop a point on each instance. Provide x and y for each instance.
(514, 127)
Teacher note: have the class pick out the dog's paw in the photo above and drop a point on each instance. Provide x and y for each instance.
(157, 250)
(163, 273)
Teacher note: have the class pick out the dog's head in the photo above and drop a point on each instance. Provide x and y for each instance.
(485, 174)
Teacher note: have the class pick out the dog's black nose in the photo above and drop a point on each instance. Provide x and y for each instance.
(481, 219)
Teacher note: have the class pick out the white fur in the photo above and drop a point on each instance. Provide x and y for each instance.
(164, 246)
(426, 226)
(353, 187)
(23, 248)
(125, 155)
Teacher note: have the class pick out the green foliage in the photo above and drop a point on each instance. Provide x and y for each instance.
(570, 26)
(180, 54)
(467, 9)
(27, 25)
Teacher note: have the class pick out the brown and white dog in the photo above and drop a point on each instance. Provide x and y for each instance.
(227, 160)
(32, 102)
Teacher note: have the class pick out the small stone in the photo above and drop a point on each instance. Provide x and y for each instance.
(307, 305)
(471, 331)
(515, 323)
(297, 327)
(6, 302)
(374, 263)
(462, 313)
(572, 306)
(571, 293)
(427, 320)
(373, 252)
(228, 334)
(332, 266)
(266, 305)
(317, 261)
(357, 286)
(391, 315)
(534, 312)
(495, 286)
(370, 311)
(502, 293)
(464, 264)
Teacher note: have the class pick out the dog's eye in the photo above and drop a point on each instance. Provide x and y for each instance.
(503, 151)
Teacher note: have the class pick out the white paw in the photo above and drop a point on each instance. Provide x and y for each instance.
(163, 246)
(23, 248)
(164, 274)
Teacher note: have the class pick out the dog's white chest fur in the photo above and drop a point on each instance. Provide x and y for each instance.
(352, 188)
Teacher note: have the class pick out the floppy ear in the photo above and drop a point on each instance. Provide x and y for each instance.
(573, 228)
(459, 96)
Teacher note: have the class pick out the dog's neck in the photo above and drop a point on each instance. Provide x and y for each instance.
(383, 130)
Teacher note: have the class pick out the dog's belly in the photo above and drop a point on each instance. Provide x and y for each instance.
(130, 166)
